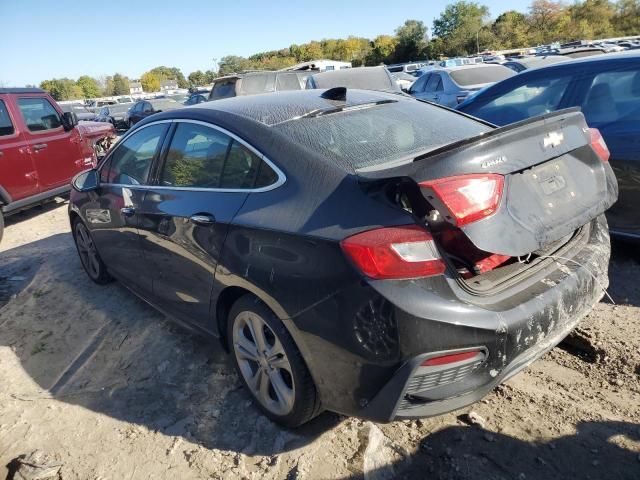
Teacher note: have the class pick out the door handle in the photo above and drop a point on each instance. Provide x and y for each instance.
(40, 146)
(128, 211)
(202, 219)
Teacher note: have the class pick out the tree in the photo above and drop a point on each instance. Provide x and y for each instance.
(382, 48)
(511, 30)
(591, 19)
(120, 85)
(232, 64)
(411, 41)
(626, 20)
(62, 89)
(459, 27)
(170, 73)
(197, 78)
(90, 87)
(545, 18)
(150, 82)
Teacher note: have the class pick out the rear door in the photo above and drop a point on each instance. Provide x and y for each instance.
(55, 152)
(113, 215)
(204, 180)
(434, 89)
(19, 178)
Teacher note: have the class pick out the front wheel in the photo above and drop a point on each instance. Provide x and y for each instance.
(88, 253)
(270, 364)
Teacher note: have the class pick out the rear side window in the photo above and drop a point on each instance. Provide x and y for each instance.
(289, 81)
(478, 75)
(131, 161)
(419, 84)
(6, 127)
(39, 114)
(223, 89)
(434, 84)
(203, 157)
(260, 83)
(536, 97)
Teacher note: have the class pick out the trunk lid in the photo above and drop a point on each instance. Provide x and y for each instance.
(554, 182)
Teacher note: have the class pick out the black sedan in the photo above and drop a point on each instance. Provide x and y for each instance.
(144, 108)
(356, 251)
(607, 89)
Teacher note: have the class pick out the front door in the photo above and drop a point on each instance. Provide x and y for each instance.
(205, 179)
(112, 214)
(19, 177)
(55, 152)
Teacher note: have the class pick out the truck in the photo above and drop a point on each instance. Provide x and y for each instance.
(42, 148)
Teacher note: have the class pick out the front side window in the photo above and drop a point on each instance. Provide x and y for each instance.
(39, 114)
(419, 84)
(613, 96)
(434, 84)
(203, 157)
(148, 108)
(6, 127)
(131, 161)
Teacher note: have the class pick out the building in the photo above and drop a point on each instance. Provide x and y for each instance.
(168, 86)
(319, 66)
(135, 87)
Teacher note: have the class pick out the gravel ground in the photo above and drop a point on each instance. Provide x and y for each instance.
(104, 387)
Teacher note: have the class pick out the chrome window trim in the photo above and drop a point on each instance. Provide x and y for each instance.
(281, 176)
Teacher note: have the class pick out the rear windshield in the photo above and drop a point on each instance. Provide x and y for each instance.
(368, 137)
(484, 74)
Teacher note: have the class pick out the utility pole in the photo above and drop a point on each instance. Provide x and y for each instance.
(478, 42)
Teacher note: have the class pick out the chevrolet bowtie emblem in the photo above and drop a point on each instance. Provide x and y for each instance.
(553, 139)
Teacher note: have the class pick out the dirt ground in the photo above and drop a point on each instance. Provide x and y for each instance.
(108, 388)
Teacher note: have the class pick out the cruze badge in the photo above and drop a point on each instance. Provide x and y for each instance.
(495, 161)
(553, 139)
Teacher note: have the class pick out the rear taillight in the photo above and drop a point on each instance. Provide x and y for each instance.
(468, 197)
(599, 145)
(453, 358)
(394, 253)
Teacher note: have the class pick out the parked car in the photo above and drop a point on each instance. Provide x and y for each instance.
(410, 67)
(450, 86)
(196, 98)
(607, 89)
(115, 114)
(42, 148)
(520, 64)
(95, 105)
(404, 80)
(252, 83)
(365, 78)
(144, 108)
(349, 248)
(82, 113)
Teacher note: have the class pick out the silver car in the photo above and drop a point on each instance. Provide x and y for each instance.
(450, 86)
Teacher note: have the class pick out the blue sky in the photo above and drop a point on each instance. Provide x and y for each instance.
(60, 38)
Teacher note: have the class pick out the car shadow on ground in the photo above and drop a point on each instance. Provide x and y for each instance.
(45, 207)
(102, 348)
(624, 272)
(460, 452)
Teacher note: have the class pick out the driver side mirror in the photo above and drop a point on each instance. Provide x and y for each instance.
(69, 120)
(86, 181)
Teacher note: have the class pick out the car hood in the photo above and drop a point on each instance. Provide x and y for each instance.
(96, 129)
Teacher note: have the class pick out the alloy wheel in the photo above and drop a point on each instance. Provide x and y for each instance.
(87, 251)
(263, 363)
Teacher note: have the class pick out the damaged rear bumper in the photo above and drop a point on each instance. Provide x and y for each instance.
(512, 333)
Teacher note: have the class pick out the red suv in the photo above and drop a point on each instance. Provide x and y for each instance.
(42, 148)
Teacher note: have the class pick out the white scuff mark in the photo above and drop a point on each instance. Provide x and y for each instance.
(493, 373)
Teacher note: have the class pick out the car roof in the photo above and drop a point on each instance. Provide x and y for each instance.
(21, 90)
(273, 108)
(373, 78)
(465, 67)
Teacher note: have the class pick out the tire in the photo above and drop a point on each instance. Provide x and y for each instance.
(89, 256)
(280, 384)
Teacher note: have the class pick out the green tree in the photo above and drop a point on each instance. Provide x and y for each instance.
(62, 89)
(171, 73)
(232, 64)
(120, 85)
(626, 20)
(150, 82)
(382, 49)
(460, 27)
(411, 41)
(511, 30)
(197, 78)
(547, 19)
(591, 19)
(90, 87)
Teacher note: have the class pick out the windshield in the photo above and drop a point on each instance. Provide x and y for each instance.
(390, 132)
(484, 74)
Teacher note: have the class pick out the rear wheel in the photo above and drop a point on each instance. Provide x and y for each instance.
(89, 256)
(270, 364)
